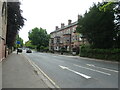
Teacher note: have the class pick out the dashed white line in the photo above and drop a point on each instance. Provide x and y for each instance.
(92, 69)
(102, 68)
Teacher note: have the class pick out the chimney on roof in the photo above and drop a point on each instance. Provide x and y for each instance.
(62, 25)
(69, 22)
(79, 16)
(56, 28)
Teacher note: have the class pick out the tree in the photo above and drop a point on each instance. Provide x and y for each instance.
(117, 25)
(15, 22)
(39, 37)
(28, 44)
(98, 27)
(116, 21)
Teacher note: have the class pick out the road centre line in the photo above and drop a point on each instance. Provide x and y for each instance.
(92, 69)
(102, 68)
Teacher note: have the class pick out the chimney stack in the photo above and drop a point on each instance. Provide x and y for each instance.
(69, 22)
(79, 16)
(62, 25)
(56, 28)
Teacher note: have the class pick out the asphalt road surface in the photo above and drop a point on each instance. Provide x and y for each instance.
(76, 72)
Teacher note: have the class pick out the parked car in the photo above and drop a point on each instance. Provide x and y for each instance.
(28, 51)
(19, 50)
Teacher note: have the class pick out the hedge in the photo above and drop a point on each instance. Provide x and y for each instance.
(106, 54)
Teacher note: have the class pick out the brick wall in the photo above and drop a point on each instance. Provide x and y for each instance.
(0, 31)
(3, 24)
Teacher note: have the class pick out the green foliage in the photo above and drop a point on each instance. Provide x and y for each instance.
(39, 38)
(28, 44)
(98, 27)
(107, 54)
(117, 26)
(63, 49)
(107, 7)
(15, 22)
(44, 49)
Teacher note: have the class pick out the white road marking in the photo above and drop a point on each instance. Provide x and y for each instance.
(102, 68)
(40, 71)
(83, 75)
(91, 65)
(92, 70)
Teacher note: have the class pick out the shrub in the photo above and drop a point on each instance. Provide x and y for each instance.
(63, 49)
(107, 54)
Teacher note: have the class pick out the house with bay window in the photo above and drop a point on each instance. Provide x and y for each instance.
(66, 37)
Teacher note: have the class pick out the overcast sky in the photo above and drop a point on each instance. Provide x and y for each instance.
(50, 13)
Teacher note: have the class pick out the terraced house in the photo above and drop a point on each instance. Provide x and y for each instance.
(66, 37)
(3, 29)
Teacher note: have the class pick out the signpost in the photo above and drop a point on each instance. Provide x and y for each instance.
(18, 43)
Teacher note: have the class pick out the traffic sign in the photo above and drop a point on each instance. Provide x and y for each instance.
(18, 42)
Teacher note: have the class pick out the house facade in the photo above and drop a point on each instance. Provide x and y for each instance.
(3, 28)
(65, 37)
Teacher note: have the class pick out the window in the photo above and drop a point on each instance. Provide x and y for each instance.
(52, 41)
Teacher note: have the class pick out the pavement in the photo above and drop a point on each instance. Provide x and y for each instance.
(18, 73)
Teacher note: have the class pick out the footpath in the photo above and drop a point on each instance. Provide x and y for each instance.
(18, 73)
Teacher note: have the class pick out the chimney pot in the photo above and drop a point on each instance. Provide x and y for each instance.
(69, 22)
(62, 25)
(79, 17)
(56, 28)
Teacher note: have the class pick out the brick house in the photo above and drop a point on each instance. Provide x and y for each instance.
(3, 28)
(65, 37)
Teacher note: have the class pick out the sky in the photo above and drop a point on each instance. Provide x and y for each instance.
(48, 14)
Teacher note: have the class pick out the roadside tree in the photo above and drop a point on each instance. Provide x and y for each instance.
(39, 38)
(28, 44)
(15, 22)
(97, 26)
(116, 21)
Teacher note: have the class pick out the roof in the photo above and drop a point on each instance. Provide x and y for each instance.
(67, 26)
(57, 36)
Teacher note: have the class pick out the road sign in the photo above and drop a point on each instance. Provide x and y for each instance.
(18, 42)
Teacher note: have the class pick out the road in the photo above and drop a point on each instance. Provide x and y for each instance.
(76, 72)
